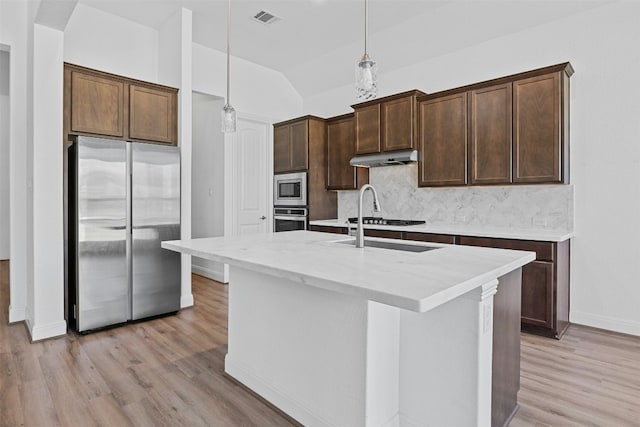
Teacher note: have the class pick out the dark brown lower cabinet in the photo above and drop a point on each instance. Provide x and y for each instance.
(430, 237)
(545, 281)
(537, 294)
(328, 229)
(505, 376)
(387, 234)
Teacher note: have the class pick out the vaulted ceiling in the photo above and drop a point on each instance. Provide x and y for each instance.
(316, 43)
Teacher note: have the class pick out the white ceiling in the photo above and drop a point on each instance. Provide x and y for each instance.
(325, 38)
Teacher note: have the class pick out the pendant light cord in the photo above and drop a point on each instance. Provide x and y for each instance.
(366, 24)
(228, 52)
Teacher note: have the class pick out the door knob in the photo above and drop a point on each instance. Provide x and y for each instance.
(263, 217)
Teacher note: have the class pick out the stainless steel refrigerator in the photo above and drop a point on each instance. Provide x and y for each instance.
(124, 199)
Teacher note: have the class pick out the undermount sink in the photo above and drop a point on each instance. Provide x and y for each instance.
(390, 245)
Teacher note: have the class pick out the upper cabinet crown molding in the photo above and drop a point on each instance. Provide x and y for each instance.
(298, 119)
(412, 92)
(564, 67)
(105, 104)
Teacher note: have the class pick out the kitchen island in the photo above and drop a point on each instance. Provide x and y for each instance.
(334, 335)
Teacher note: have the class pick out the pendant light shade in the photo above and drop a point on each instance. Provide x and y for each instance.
(366, 68)
(228, 118)
(228, 112)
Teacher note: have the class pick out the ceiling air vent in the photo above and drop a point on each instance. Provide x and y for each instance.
(265, 17)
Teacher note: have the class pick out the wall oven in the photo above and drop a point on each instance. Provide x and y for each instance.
(290, 189)
(289, 219)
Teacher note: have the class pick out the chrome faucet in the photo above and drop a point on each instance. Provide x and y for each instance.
(376, 208)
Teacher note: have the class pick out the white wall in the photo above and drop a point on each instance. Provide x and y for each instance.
(14, 32)
(175, 63)
(47, 318)
(4, 155)
(254, 89)
(207, 178)
(601, 44)
(105, 42)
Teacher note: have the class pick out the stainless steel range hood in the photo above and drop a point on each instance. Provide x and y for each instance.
(385, 159)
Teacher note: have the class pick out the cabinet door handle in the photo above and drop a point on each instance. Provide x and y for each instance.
(263, 217)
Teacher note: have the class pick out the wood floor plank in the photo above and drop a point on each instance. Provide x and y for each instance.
(170, 372)
(10, 403)
(37, 406)
(106, 411)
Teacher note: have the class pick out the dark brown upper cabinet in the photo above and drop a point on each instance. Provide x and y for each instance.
(367, 127)
(299, 145)
(514, 129)
(103, 104)
(443, 141)
(473, 127)
(152, 114)
(291, 145)
(340, 149)
(490, 135)
(541, 128)
(281, 149)
(387, 124)
(97, 105)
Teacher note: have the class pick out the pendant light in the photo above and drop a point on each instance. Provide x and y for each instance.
(228, 112)
(366, 68)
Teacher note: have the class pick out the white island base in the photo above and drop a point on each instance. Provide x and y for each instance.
(331, 359)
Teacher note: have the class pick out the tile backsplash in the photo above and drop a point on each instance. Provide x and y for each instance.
(543, 207)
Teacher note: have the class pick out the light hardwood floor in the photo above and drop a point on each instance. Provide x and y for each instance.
(169, 372)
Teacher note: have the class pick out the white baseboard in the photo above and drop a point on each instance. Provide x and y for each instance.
(605, 322)
(285, 403)
(48, 330)
(17, 314)
(186, 301)
(218, 276)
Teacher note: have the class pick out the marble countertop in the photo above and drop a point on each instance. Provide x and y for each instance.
(464, 230)
(413, 281)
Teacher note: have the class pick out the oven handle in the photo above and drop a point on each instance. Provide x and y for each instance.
(290, 217)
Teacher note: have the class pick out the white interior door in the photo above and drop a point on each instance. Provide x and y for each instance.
(252, 183)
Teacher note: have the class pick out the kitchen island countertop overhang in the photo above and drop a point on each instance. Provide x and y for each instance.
(412, 281)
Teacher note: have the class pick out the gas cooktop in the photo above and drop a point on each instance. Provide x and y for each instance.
(385, 221)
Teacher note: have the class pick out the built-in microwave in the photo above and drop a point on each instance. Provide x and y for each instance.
(290, 189)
